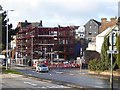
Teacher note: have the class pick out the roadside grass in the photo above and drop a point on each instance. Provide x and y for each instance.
(4, 71)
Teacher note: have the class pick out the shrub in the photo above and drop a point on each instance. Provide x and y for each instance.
(93, 65)
(98, 65)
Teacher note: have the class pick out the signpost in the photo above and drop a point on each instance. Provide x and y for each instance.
(112, 50)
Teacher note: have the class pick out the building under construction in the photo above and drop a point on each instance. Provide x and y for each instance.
(35, 42)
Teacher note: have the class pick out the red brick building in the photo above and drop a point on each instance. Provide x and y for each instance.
(35, 42)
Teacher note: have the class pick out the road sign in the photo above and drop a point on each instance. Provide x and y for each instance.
(114, 48)
(112, 52)
(112, 38)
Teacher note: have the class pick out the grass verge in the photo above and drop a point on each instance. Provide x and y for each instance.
(4, 71)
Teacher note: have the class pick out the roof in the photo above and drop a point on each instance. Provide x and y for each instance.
(96, 21)
(23, 24)
(106, 32)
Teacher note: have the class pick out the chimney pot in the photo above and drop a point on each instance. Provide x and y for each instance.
(103, 18)
(40, 23)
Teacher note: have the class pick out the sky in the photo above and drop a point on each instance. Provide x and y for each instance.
(62, 12)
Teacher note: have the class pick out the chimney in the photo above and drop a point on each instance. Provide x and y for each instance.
(103, 20)
(58, 26)
(113, 21)
(40, 23)
(26, 22)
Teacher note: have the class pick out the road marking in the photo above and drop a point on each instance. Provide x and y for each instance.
(81, 73)
(30, 74)
(59, 72)
(98, 86)
(99, 82)
(71, 74)
(31, 83)
(14, 75)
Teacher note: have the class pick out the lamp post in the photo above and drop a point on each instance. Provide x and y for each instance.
(7, 39)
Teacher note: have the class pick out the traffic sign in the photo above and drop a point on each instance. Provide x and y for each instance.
(113, 52)
(112, 38)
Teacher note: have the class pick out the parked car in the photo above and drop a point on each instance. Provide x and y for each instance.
(42, 68)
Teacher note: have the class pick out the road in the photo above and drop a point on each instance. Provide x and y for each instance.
(73, 76)
(20, 81)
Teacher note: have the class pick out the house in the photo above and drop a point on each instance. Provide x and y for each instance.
(80, 32)
(106, 24)
(103, 28)
(92, 30)
(100, 37)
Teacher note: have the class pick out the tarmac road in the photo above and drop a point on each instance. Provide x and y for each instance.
(20, 81)
(72, 76)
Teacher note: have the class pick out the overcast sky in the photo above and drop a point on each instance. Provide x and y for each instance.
(63, 12)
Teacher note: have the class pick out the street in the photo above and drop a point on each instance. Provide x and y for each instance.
(73, 76)
(19, 81)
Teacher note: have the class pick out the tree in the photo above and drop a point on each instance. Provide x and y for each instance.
(0, 32)
(4, 24)
(118, 48)
(4, 29)
(1, 8)
(104, 55)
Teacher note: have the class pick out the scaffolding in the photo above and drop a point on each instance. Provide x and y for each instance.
(50, 43)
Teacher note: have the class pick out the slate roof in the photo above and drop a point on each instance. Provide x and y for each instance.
(96, 22)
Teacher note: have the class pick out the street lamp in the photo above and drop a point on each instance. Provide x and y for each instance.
(7, 39)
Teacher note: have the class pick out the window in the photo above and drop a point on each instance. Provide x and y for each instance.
(95, 32)
(89, 33)
(95, 26)
(90, 26)
(89, 39)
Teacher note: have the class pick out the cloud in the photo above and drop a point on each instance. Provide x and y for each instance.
(64, 12)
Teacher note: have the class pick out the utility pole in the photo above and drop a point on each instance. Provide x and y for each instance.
(7, 39)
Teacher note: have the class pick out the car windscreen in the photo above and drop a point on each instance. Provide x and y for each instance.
(42, 65)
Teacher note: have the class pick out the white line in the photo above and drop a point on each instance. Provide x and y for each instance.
(59, 72)
(43, 87)
(98, 86)
(31, 83)
(29, 74)
(71, 74)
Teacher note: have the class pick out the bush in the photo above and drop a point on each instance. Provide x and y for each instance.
(98, 65)
(93, 65)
